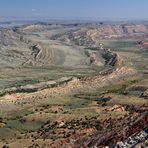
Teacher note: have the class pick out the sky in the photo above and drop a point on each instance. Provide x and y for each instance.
(109, 9)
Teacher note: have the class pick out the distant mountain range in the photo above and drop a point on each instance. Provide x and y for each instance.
(17, 21)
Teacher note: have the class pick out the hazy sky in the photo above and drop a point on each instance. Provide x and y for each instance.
(130, 9)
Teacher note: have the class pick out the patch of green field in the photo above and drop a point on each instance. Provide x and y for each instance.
(6, 133)
(122, 45)
(19, 126)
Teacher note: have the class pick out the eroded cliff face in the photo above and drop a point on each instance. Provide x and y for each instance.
(111, 59)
